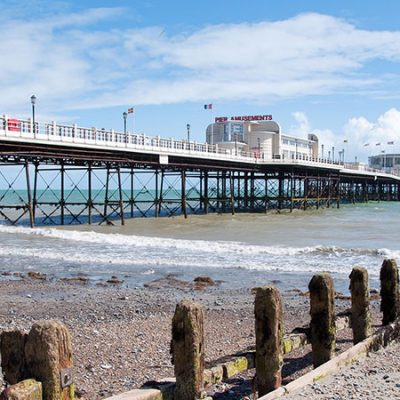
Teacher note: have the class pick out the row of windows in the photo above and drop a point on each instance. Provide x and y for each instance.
(293, 143)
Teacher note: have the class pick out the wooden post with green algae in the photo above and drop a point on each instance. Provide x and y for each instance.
(48, 352)
(24, 390)
(360, 307)
(389, 291)
(269, 334)
(323, 328)
(187, 348)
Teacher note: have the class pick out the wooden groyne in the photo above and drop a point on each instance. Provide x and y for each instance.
(39, 365)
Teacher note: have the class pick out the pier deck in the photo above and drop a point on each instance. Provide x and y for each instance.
(71, 174)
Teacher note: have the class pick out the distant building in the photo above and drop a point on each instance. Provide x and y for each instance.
(385, 161)
(261, 136)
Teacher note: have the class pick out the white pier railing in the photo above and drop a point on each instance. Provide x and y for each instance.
(24, 129)
(53, 132)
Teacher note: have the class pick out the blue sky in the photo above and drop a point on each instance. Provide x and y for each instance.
(325, 67)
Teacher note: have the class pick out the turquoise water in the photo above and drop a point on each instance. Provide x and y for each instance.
(244, 250)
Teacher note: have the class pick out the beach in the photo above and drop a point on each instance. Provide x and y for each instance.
(121, 336)
(116, 287)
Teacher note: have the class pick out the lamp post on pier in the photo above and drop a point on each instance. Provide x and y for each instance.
(188, 132)
(33, 102)
(125, 116)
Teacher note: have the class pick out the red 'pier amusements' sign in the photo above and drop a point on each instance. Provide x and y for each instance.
(245, 118)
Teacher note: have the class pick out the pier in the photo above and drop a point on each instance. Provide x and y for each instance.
(65, 174)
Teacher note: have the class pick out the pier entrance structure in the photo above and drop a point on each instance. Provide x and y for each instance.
(59, 174)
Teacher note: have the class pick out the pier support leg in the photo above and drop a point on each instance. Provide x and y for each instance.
(106, 193)
(232, 191)
(90, 200)
(205, 192)
(156, 194)
(29, 194)
(183, 189)
(132, 199)
(246, 191)
(252, 191)
(224, 196)
(35, 180)
(62, 200)
(280, 191)
(120, 195)
(266, 193)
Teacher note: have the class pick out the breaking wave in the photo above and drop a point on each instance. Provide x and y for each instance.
(99, 251)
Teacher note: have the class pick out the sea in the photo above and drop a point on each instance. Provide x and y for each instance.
(240, 251)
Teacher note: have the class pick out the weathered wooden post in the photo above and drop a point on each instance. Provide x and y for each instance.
(269, 334)
(187, 348)
(28, 389)
(389, 291)
(323, 329)
(12, 352)
(360, 310)
(48, 358)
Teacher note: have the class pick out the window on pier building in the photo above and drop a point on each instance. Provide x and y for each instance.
(233, 132)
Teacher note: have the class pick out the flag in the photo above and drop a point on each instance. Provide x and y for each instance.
(208, 106)
(378, 144)
(130, 110)
(392, 142)
(366, 144)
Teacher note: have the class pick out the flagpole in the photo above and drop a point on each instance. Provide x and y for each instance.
(212, 128)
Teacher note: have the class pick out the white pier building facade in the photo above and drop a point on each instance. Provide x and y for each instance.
(260, 135)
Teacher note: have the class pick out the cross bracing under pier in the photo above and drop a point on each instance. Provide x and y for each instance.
(70, 175)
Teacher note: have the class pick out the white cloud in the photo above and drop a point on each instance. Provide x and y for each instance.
(358, 131)
(71, 61)
(385, 129)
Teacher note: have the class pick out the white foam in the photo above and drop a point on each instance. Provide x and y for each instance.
(102, 250)
(124, 241)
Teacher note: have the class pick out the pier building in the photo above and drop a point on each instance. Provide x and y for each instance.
(54, 173)
(387, 162)
(260, 135)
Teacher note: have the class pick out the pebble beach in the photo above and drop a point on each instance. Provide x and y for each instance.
(121, 335)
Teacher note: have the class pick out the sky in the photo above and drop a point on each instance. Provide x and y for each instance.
(330, 67)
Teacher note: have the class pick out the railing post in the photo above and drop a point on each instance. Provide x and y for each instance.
(74, 129)
(5, 124)
(360, 309)
(323, 328)
(269, 335)
(31, 129)
(389, 277)
(113, 136)
(187, 348)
